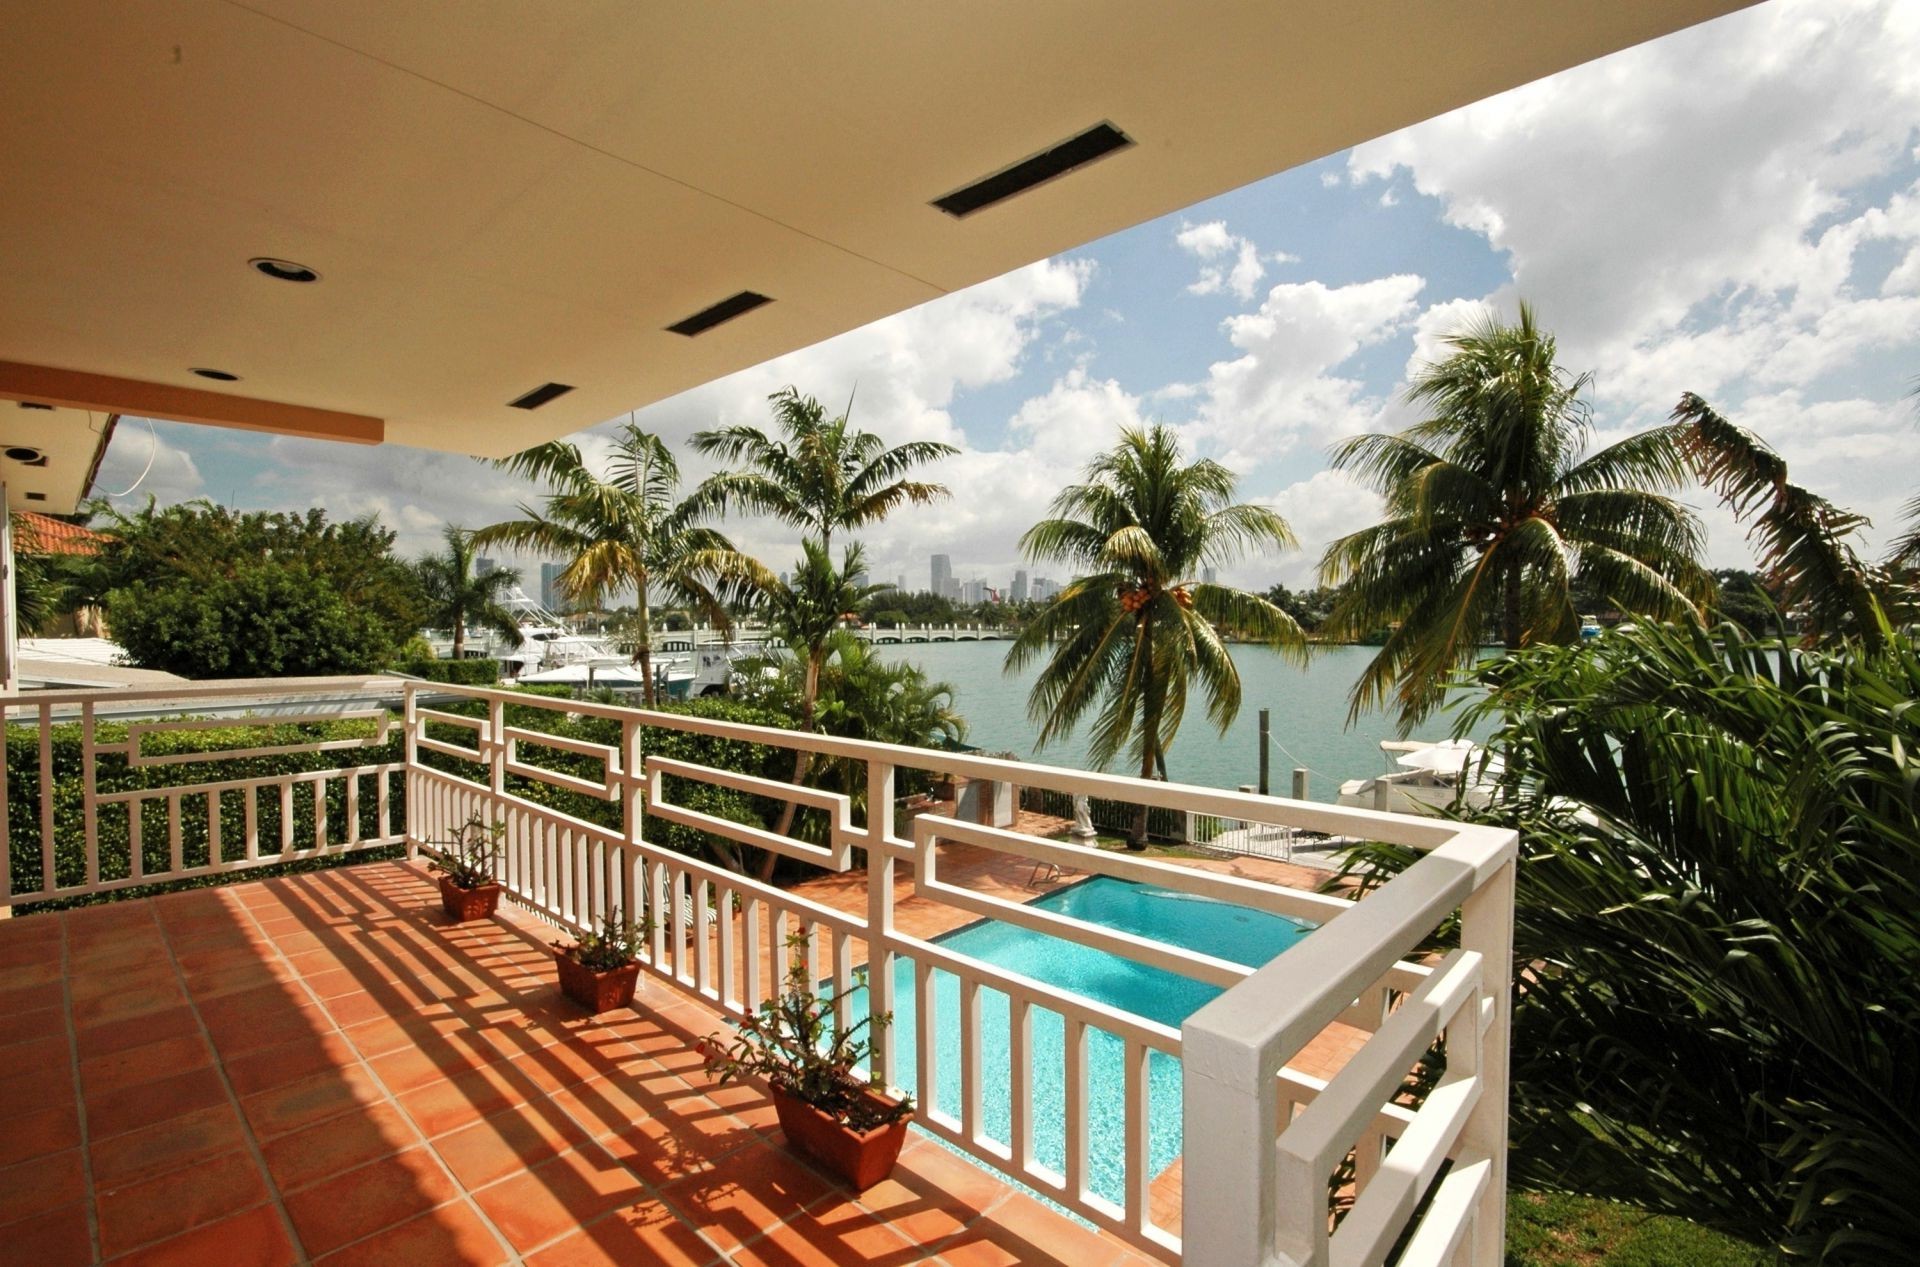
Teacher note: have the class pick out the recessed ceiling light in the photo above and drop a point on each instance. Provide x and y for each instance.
(1074, 152)
(726, 310)
(283, 270)
(540, 395)
(25, 453)
(218, 376)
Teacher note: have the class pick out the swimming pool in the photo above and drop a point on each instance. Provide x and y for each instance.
(1234, 933)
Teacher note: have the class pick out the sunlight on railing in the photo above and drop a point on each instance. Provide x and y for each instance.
(1268, 1151)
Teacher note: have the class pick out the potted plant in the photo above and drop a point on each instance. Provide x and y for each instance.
(808, 1060)
(465, 861)
(600, 969)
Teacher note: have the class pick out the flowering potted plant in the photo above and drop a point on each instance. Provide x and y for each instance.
(600, 969)
(465, 861)
(808, 1060)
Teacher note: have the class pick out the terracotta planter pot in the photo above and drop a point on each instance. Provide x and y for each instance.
(462, 905)
(596, 991)
(862, 1158)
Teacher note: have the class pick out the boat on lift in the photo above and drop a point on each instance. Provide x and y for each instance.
(1426, 777)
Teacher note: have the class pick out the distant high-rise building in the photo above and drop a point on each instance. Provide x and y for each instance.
(485, 567)
(1020, 586)
(900, 582)
(860, 579)
(1044, 588)
(973, 592)
(942, 573)
(1206, 576)
(549, 589)
(783, 579)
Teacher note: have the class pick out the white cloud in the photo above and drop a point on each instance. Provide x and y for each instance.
(1325, 506)
(1228, 262)
(1693, 206)
(1284, 387)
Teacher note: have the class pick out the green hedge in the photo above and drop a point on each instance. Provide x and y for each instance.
(458, 672)
(115, 774)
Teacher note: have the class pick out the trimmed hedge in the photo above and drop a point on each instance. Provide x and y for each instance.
(457, 672)
(115, 774)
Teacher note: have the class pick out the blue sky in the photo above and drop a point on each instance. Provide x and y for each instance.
(1734, 210)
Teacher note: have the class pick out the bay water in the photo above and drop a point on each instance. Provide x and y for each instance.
(1309, 723)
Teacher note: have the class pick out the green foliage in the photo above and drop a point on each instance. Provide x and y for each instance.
(897, 607)
(1310, 609)
(202, 591)
(1494, 511)
(614, 943)
(1806, 542)
(115, 774)
(1127, 639)
(470, 855)
(1743, 599)
(457, 672)
(1718, 919)
(1558, 1229)
(796, 1042)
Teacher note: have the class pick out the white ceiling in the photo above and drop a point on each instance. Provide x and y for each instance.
(497, 195)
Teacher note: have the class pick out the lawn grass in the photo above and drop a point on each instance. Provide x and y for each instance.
(1557, 1229)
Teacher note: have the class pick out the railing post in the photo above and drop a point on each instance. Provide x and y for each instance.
(880, 869)
(632, 761)
(410, 733)
(1486, 928)
(1230, 1115)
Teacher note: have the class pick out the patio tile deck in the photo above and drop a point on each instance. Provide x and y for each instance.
(320, 1069)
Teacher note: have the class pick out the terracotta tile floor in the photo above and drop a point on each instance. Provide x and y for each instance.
(321, 1069)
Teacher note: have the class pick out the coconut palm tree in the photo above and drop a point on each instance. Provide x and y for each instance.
(625, 530)
(459, 599)
(1494, 511)
(822, 474)
(1129, 636)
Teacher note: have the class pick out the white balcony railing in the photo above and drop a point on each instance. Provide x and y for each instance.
(1262, 1141)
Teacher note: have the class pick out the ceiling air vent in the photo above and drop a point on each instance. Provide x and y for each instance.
(540, 395)
(726, 310)
(1095, 142)
(33, 404)
(36, 497)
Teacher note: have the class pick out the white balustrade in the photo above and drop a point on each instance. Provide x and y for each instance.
(1261, 1140)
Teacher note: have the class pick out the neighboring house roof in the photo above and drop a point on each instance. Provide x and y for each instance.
(35, 533)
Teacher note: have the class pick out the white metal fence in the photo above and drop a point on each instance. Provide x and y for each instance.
(1262, 1142)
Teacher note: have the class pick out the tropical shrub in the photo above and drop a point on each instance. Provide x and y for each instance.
(1718, 929)
(203, 591)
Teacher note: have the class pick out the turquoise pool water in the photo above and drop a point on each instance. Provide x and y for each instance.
(1228, 932)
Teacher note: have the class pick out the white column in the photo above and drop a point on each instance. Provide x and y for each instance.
(1486, 927)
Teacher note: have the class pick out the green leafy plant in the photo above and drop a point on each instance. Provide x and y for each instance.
(613, 943)
(468, 855)
(797, 1044)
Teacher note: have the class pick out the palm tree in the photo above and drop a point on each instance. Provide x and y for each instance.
(458, 598)
(1134, 631)
(1495, 511)
(1806, 542)
(822, 475)
(625, 530)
